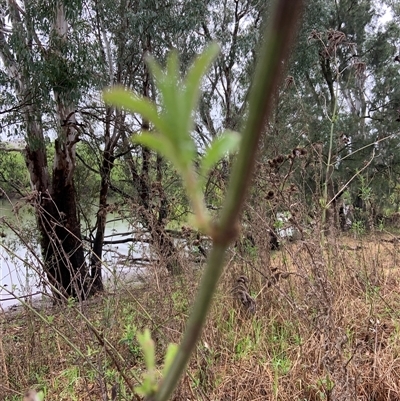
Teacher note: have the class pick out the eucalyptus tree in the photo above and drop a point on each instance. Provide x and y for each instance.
(236, 26)
(157, 28)
(339, 103)
(127, 31)
(383, 108)
(45, 52)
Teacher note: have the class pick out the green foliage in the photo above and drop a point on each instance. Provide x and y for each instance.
(174, 123)
(227, 143)
(180, 301)
(172, 350)
(149, 385)
(13, 174)
(129, 338)
(72, 376)
(87, 182)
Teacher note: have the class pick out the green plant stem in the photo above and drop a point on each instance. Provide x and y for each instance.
(278, 39)
(197, 202)
(329, 161)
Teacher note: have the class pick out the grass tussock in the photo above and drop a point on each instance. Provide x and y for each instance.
(326, 327)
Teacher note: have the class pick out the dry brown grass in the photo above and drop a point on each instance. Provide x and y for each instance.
(329, 331)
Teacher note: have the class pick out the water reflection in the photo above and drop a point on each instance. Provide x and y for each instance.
(19, 266)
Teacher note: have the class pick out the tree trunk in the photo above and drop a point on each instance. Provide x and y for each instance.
(97, 250)
(56, 204)
(153, 218)
(56, 212)
(68, 261)
(154, 222)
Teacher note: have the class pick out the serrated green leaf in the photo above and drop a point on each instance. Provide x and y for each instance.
(168, 84)
(148, 387)
(122, 98)
(176, 152)
(140, 390)
(173, 67)
(193, 79)
(148, 349)
(158, 143)
(154, 68)
(226, 143)
(169, 357)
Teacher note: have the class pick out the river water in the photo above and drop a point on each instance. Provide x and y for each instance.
(18, 262)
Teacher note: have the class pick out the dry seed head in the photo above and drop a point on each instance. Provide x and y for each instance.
(296, 152)
(314, 35)
(325, 53)
(336, 37)
(289, 82)
(318, 146)
(270, 195)
(360, 68)
(241, 292)
(242, 279)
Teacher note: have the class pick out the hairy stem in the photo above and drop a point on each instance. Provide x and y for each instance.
(329, 165)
